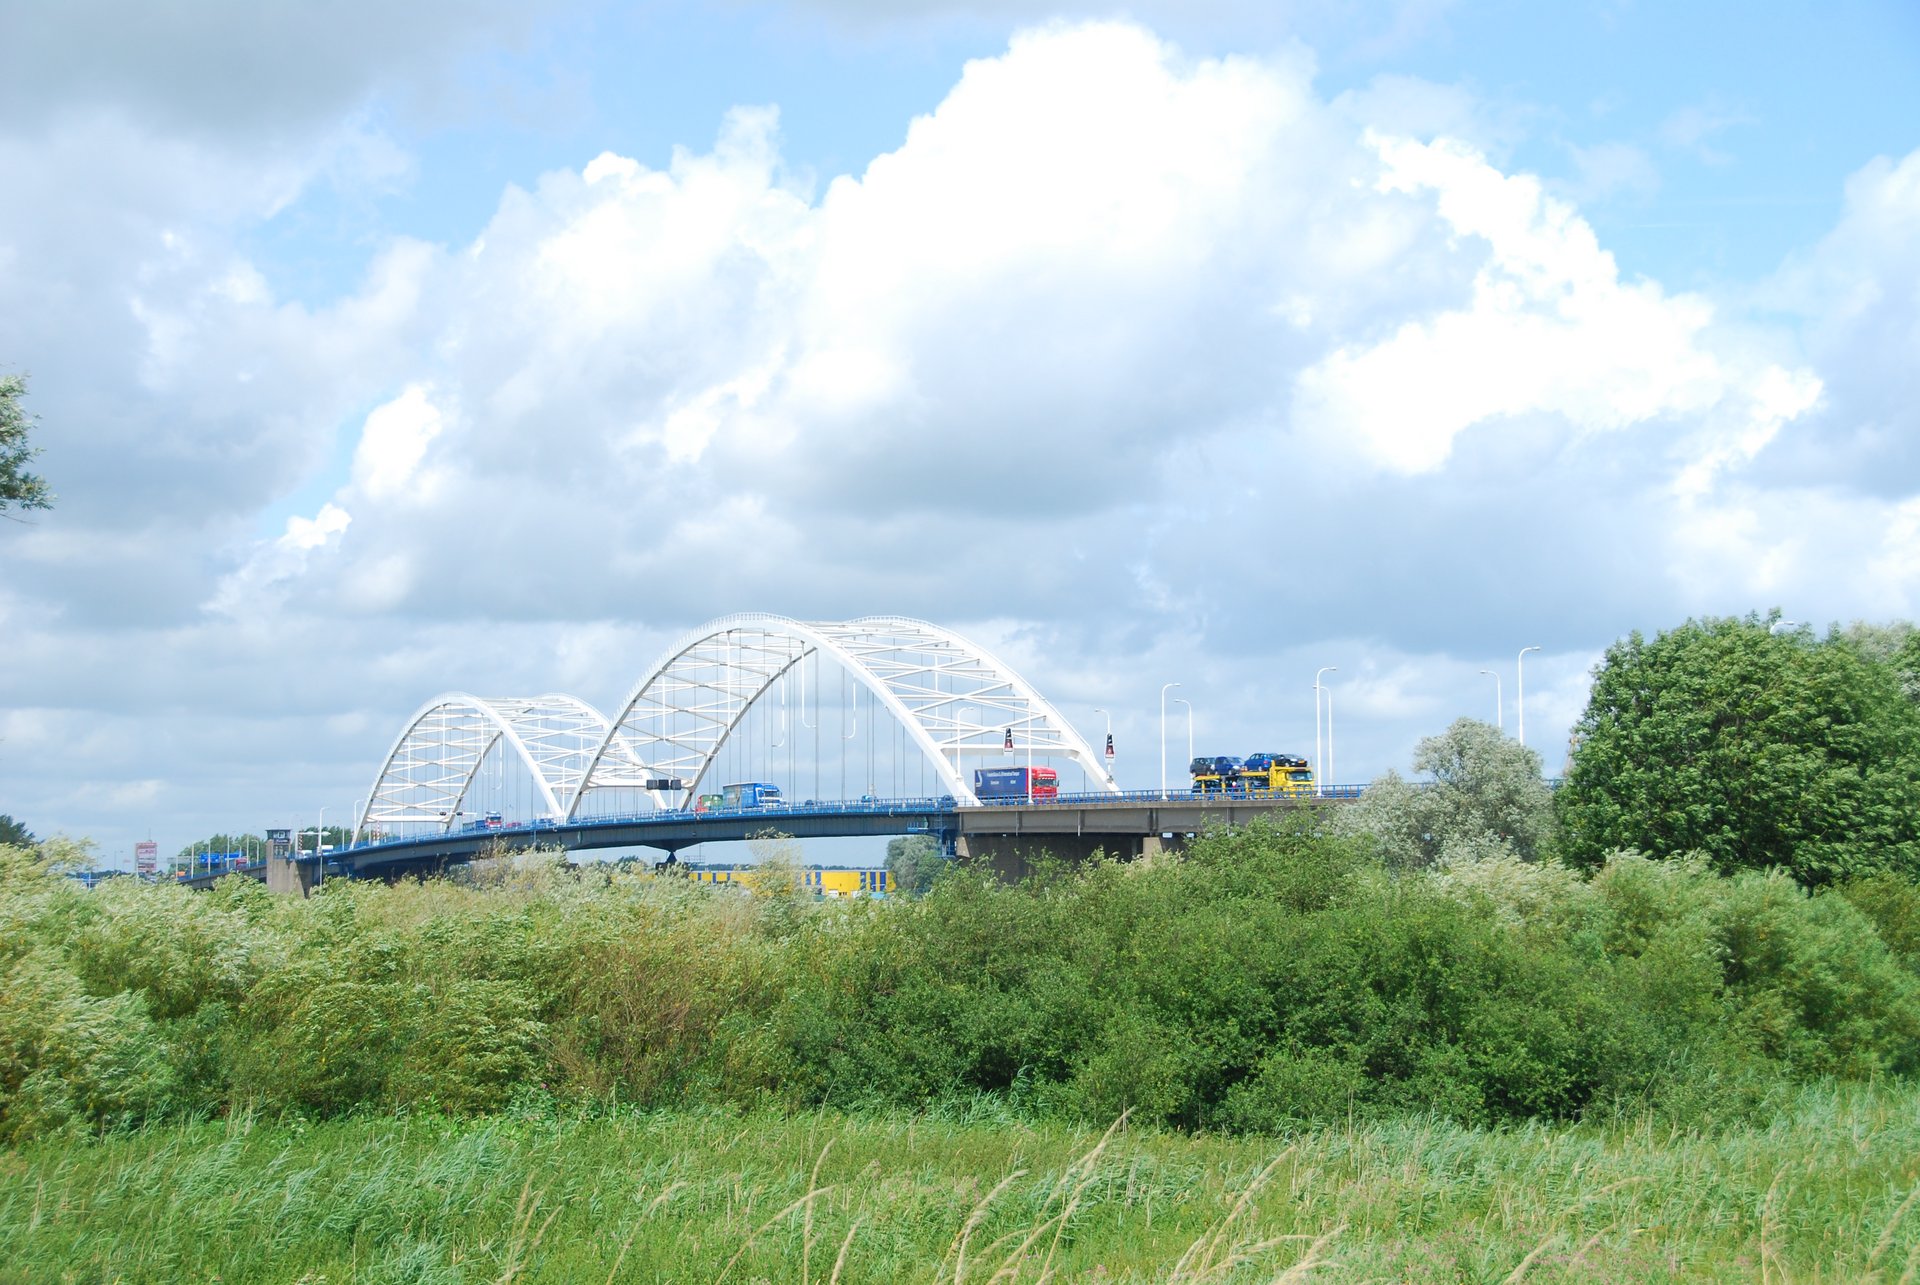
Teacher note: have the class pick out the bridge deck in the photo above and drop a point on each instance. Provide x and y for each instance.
(1129, 815)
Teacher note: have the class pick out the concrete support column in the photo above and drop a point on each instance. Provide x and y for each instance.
(1011, 856)
(1153, 845)
(285, 875)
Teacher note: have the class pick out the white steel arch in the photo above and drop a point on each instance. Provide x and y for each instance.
(952, 697)
(427, 773)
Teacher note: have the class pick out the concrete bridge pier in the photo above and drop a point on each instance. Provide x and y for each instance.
(286, 875)
(1013, 856)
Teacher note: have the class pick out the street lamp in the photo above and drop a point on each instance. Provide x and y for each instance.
(1109, 745)
(1319, 765)
(962, 732)
(1499, 701)
(1329, 733)
(1029, 731)
(1163, 738)
(1520, 695)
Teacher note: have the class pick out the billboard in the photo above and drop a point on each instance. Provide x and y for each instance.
(146, 856)
(279, 844)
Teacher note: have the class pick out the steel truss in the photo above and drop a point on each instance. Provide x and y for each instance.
(953, 698)
(432, 766)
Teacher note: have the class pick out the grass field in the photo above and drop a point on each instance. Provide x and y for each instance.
(1826, 1192)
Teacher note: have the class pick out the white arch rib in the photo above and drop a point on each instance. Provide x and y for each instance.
(431, 767)
(675, 721)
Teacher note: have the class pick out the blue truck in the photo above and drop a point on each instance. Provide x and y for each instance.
(750, 794)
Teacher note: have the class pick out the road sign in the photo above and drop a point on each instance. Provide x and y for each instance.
(146, 856)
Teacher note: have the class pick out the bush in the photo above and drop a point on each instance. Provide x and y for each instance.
(1274, 976)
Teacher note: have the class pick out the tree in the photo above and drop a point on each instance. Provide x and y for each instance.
(1896, 645)
(252, 844)
(17, 486)
(1753, 747)
(913, 860)
(13, 834)
(1486, 796)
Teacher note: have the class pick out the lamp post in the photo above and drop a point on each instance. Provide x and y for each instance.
(1520, 694)
(1330, 768)
(1499, 701)
(1109, 742)
(1029, 731)
(962, 731)
(1319, 765)
(1163, 738)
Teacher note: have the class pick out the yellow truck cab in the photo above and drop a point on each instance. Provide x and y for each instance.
(1276, 774)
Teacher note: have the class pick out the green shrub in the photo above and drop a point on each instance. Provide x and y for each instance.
(1271, 977)
(1892, 903)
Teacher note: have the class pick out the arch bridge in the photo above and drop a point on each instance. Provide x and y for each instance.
(737, 694)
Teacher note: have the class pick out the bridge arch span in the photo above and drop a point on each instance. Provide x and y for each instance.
(952, 697)
(431, 768)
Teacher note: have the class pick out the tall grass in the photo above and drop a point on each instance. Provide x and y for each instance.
(1823, 1192)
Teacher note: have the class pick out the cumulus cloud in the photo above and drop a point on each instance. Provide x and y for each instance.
(393, 441)
(252, 587)
(1549, 328)
(1133, 362)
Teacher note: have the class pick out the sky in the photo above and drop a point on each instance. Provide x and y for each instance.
(386, 350)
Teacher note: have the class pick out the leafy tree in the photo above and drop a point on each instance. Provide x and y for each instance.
(252, 844)
(913, 860)
(333, 836)
(255, 846)
(1486, 797)
(14, 834)
(1895, 645)
(17, 486)
(1752, 747)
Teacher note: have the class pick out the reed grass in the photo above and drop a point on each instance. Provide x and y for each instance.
(1829, 1190)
